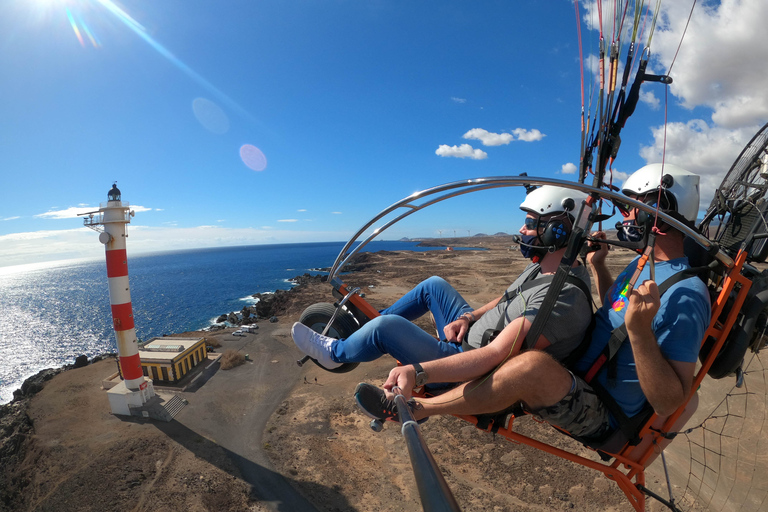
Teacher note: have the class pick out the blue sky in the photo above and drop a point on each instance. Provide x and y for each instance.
(353, 105)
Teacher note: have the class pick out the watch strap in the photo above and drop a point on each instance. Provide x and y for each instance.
(421, 375)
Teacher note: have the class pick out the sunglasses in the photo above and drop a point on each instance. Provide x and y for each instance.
(625, 209)
(531, 223)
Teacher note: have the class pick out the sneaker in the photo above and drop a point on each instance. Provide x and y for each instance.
(314, 344)
(374, 403)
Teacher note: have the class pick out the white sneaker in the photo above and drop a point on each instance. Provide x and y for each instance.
(314, 344)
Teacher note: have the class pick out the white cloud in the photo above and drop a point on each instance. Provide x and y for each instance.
(301, 210)
(11, 218)
(68, 213)
(650, 99)
(498, 139)
(336, 213)
(458, 100)
(463, 151)
(719, 71)
(50, 245)
(288, 220)
(528, 135)
(73, 211)
(619, 177)
(708, 151)
(489, 138)
(721, 63)
(568, 168)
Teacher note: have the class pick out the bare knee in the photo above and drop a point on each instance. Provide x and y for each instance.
(540, 379)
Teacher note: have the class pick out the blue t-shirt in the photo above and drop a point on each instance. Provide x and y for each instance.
(679, 326)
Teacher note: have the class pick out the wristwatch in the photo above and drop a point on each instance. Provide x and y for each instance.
(421, 375)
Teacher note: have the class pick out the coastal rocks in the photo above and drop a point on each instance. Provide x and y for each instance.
(35, 383)
(269, 305)
(308, 279)
(15, 430)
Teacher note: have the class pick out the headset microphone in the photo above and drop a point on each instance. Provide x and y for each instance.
(517, 239)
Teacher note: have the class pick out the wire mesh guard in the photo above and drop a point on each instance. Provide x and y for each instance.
(747, 176)
(720, 461)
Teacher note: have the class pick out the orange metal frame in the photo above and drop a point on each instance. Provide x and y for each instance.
(628, 466)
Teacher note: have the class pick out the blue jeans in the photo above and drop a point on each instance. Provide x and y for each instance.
(393, 333)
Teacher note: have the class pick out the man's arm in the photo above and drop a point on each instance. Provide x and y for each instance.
(467, 365)
(600, 274)
(456, 330)
(665, 384)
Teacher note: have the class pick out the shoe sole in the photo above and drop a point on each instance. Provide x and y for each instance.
(365, 411)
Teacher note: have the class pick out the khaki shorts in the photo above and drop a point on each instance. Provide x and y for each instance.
(580, 412)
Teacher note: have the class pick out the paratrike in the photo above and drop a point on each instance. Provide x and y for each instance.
(736, 232)
(726, 249)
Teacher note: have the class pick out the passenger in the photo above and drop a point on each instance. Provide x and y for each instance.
(656, 363)
(549, 217)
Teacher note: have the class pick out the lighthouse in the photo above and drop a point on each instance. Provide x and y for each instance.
(110, 221)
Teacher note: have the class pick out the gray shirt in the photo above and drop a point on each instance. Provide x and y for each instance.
(567, 323)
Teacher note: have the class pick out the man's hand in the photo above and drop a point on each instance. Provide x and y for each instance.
(597, 257)
(643, 306)
(403, 377)
(455, 331)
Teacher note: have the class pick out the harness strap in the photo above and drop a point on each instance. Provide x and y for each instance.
(629, 426)
(619, 334)
(490, 334)
(508, 296)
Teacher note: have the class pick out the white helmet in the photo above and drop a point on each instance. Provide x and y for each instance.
(681, 185)
(550, 199)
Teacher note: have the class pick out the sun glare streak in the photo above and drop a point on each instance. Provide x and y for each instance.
(74, 27)
(140, 31)
(94, 41)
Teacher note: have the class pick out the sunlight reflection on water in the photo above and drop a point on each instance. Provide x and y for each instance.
(49, 317)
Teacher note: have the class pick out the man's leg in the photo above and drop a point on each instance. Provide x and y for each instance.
(434, 294)
(532, 377)
(393, 335)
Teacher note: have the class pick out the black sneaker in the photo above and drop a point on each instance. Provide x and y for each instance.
(373, 402)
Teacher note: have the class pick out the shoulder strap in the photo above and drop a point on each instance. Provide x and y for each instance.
(490, 334)
(619, 334)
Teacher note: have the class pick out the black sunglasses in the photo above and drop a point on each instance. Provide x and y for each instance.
(531, 223)
(625, 208)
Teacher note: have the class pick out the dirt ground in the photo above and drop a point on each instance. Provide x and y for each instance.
(248, 431)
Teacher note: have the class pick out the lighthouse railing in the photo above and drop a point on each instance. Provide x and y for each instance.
(111, 204)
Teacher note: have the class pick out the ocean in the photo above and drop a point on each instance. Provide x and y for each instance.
(51, 313)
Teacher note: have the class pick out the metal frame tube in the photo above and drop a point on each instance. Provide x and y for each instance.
(434, 492)
(458, 188)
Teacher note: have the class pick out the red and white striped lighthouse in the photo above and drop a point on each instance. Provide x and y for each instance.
(110, 221)
(114, 217)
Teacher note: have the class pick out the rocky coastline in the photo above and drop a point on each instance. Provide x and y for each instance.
(269, 306)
